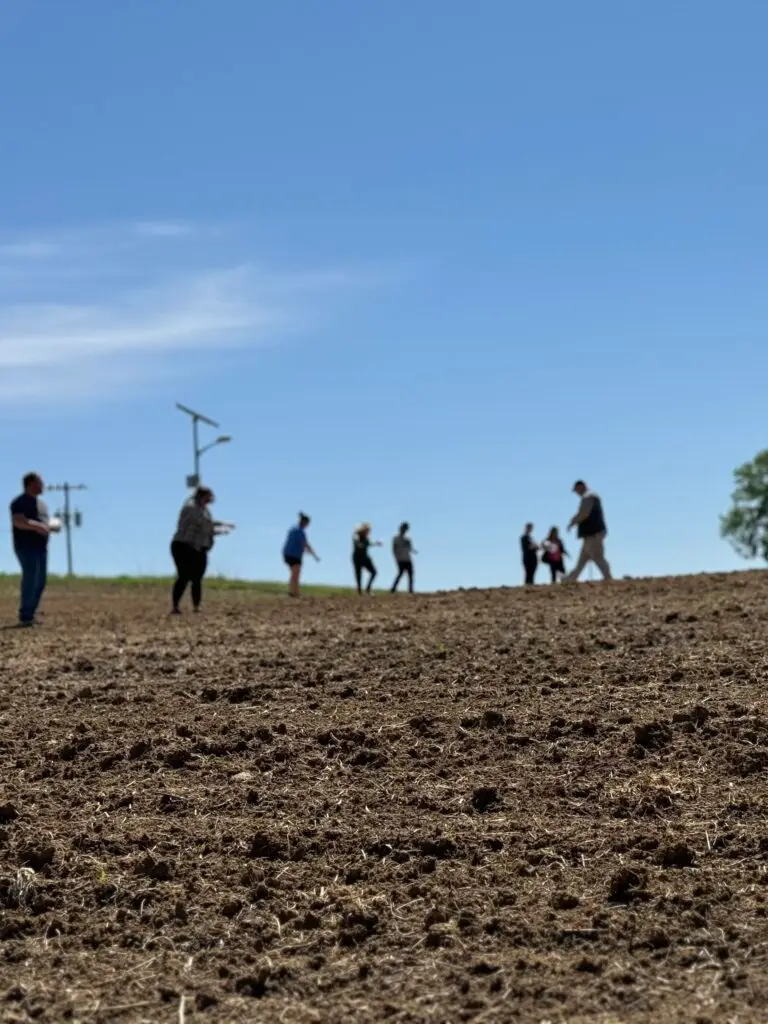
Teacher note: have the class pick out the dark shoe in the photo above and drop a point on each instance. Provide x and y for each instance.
(26, 624)
(175, 611)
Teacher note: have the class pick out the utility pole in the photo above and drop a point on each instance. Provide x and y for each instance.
(198, 418)
(71, 519)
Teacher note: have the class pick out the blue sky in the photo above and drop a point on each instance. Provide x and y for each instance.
(426, 260)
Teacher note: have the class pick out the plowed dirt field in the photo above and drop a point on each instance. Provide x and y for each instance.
(484, 806)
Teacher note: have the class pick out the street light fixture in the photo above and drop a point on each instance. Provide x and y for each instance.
(197, 417)
(224, 439)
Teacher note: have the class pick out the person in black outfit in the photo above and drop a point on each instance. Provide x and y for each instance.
(191, 544)
(554, 553)
(530, 557)
(361, 560)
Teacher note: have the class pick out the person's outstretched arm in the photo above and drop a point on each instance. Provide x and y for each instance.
(584, 509)
(310, 550)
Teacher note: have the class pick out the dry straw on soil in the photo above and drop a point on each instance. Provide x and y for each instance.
(516, 806)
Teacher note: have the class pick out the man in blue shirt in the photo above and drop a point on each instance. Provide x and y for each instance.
(296, 544)
(31, 529)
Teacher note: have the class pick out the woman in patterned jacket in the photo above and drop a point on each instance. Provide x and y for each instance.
(190, 546)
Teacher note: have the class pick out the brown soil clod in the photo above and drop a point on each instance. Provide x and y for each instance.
(253, 986)
(677, 855)
(486, 799)
(565, 901)
(627, 885)
(8, 813)
(697, 715)
(158, 870)
(37, 857)
(652, 735)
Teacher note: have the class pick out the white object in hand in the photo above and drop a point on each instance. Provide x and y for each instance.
(54, 525)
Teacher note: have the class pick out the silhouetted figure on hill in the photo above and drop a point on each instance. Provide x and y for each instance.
(296, 544)
(530, 555)
(31, 530)
(361, 560)
(554, 554)
(592, 530)
(403, 551)
(190, 546)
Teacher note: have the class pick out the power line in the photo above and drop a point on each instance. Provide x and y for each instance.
(72, 519)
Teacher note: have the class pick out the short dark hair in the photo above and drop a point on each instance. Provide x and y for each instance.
(404, 527)
(579, 483)
(304, 518)
(29, 478)
(203, 492)
(529, 526)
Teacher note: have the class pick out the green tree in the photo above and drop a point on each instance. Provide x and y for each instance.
(745, 525)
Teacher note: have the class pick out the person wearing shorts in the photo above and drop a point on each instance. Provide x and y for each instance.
(296, 544)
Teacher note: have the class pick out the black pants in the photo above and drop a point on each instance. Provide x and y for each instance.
(366, 564)
(404, 569)
(556, 568)
(530, 565)
(190, 568)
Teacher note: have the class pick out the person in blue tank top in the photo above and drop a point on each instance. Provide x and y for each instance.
(296, 544)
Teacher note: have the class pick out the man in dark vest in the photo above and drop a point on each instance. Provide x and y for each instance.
(591, 528)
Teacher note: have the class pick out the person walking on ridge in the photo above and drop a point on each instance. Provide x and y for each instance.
(592, 531)
(296, 544)
(361, 560)
(31, 530)
(530, 556)
(403, 550)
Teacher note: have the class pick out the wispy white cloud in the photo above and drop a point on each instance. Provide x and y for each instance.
(29, 249)
(96, 240)
(162, 228)
(76, 339)
(187, 313)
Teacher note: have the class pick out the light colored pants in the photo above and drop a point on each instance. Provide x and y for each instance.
(591, 551)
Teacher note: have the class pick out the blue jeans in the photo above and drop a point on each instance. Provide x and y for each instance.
(34, 575)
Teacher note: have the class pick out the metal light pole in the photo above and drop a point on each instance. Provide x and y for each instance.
(70, 519)
(197, 418)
